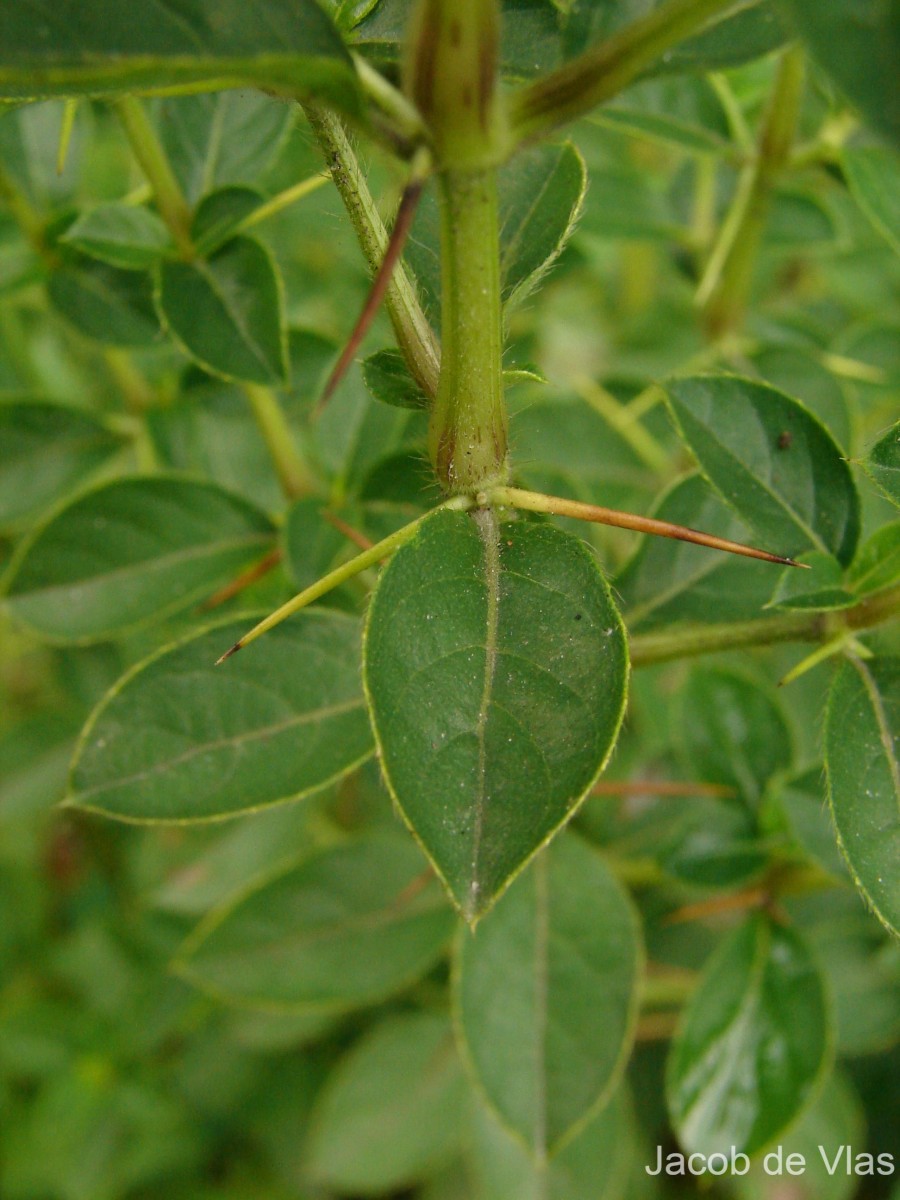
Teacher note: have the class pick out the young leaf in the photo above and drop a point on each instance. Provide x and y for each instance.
(862, 725)
(123, 235)
(392, 1110)
(873, 173)
(495, 665)
(105, 303)
(546, 994)
(732, 731)
(344, 926)
(883, 464)
(59, 47)
(46, 450)
(228, 311)
(541, 196)
(857, 44)
(387, 377)
(178, 740)
(752, 1043)
(771, 460)
(130, 552)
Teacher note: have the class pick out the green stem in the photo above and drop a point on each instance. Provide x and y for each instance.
(28, 220)
(294, 474)
(414, 334)
(148, 150)
(668, 988)
(468, 435)
(605, 70)
(692, 640)
(726, 284)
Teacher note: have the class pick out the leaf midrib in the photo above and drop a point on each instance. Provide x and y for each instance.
(240, 740)
(144, 566)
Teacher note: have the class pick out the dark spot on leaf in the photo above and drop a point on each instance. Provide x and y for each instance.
(784, 440)
(578, 616)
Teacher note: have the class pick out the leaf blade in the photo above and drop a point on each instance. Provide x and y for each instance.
(493, 720)
(771, 461)
(862, 726)
(179, 740)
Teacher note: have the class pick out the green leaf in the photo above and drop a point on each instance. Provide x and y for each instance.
(873, 173)
(862, 725)
(684, 112)
(130, 552)
(877, 563)
(541, 196)
(547, 992)
(495, 665)
(345, 926)
(861, 963)
(669, 580)
(832, 1122)
(732, 732)
(387, 377)
(771, 460)
(179, 739)
(713, 845)
(801, 799)
(228, 311)
(123, 235)
(46, 451)
(746, 35)
(596, 1162)
(59, 47)
(391, 1112)
(105, 303)
(799, 221)
(219, 214)
(564, 447)
(858, 45)
(752, 1044)
(312, 545)
(210, 431)
(222, 138)
(883, 464)
(820, 589)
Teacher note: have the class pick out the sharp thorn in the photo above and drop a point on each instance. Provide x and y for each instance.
(402, 226)
(228, 653)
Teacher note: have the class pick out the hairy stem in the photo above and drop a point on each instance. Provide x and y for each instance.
(468, 435)
(414, 334)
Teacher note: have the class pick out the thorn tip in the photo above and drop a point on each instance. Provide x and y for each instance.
(228, 653)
